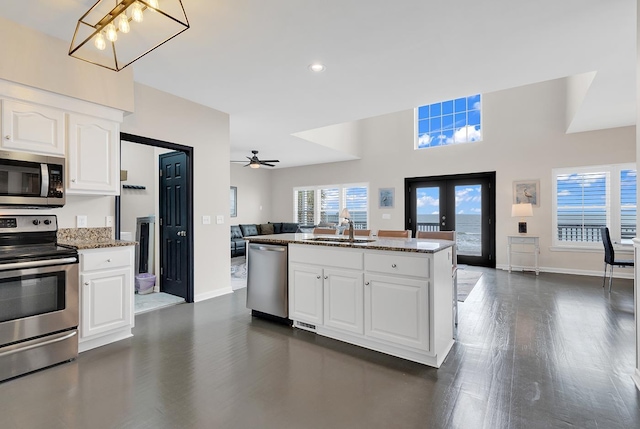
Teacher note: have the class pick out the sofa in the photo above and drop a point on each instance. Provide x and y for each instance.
(240, 232)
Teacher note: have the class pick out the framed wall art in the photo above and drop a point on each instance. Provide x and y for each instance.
(386, 197)
(526, 191)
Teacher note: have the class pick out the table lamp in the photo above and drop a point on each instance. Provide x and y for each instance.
(522, 210)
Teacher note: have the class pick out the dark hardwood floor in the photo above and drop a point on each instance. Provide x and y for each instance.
(554, 351)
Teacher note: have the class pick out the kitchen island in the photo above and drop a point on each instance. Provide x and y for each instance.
(392, 295)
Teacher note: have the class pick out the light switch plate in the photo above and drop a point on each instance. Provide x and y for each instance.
(206, 220)
(108, 221)
(81, 221)
(220, 219)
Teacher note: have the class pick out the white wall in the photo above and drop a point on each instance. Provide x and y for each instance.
(166, 117)
(141, 165)
(35, 59)
(254, 194)
(524, 138)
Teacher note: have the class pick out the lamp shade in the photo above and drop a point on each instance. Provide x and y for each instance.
(522, 210)
(113, 34)
(345, 214)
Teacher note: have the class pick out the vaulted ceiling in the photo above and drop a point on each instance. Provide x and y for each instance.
(250, 58)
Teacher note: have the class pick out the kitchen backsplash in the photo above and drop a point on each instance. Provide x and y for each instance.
(92, 234)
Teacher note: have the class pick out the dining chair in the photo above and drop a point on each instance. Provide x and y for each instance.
(324, 231)
(362, 232)
(394, 233)
(451, 236)
(610, 257)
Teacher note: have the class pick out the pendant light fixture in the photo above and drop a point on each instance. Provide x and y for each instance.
(114, 37)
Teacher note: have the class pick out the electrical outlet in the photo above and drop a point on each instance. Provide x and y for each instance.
(220, 219)
(386, 216)
(81, 221)
(108, 221)
(206, 220)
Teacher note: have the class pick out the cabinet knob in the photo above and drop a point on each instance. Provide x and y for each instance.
(7, 137)
(326, 277)
(73, 180)
(318, 277)
(366, 283)
(394, 266)
(86, 283)
(109, 260)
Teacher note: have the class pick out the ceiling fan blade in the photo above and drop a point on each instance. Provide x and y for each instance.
(269, 160)
(268, 165)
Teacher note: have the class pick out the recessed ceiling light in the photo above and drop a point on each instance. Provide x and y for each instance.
(317, 67)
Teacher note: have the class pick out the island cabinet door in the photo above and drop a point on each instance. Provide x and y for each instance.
(396, 310)
(344, 300)
(305, 293)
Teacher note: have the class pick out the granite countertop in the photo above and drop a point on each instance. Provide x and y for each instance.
(89, 238)
(415, 245)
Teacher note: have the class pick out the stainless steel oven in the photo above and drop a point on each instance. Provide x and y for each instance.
(38, 296)
(31, 180)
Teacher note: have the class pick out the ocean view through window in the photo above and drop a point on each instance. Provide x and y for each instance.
(589, 198)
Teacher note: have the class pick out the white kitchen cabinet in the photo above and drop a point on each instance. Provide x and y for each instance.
(93, 160)
(391, 301)
(397, 310)
(343, 300)
(106, 296)
(32, 128)
(305, 293)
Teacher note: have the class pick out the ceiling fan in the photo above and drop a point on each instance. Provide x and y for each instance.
(255, 162)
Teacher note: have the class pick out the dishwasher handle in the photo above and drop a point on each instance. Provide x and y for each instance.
(268, 248)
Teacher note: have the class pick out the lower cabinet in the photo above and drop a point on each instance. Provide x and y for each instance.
(106, 296)
(398, 303)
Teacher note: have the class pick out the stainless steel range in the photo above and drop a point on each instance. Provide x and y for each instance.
(38, 295)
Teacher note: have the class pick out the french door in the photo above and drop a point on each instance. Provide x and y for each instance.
(462, 203)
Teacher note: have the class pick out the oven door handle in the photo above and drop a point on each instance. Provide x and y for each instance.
(16, 348)
(37, 264)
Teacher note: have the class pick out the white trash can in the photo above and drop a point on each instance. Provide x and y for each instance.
(144, 283)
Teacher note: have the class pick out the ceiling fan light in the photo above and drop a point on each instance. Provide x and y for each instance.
(254, 165)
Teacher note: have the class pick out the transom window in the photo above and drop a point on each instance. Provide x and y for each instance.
(589, 198)
(449, 122)
(321, 205)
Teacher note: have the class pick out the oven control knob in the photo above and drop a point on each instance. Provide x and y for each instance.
(36, 222)
(47, 222)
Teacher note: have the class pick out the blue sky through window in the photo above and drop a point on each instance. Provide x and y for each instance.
(449, 122)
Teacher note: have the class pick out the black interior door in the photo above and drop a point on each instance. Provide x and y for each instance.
(461, 203)
(174, 234)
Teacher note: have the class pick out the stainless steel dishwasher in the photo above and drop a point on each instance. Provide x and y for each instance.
(267, 287)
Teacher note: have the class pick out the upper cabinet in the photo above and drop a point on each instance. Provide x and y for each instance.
(85, 133)
(32, 128)
(93, 160)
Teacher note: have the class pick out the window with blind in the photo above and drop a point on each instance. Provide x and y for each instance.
(589, 198)
(322, 204)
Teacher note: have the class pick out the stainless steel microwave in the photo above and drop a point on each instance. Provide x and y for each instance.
(31, 180)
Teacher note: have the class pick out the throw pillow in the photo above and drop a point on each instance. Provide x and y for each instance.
(266, 229)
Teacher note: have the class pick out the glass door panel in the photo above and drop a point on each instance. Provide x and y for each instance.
(468, 219)
(428, 208)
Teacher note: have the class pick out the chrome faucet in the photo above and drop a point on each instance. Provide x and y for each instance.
(351, 238)
(347, 216)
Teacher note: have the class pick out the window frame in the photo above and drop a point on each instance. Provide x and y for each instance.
(416, 122)
(612, 202)
(342, 192)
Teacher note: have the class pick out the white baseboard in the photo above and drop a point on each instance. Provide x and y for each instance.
(213, 294)
(592, 273)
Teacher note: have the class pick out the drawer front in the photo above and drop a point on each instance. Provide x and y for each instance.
(103, 259)
(523, 240)
(327, 256)
(392, 263)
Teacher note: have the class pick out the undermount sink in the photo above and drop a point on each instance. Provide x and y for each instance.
(341, 239)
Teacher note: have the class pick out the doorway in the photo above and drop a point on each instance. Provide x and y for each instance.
(464, 203)
(174, 208)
